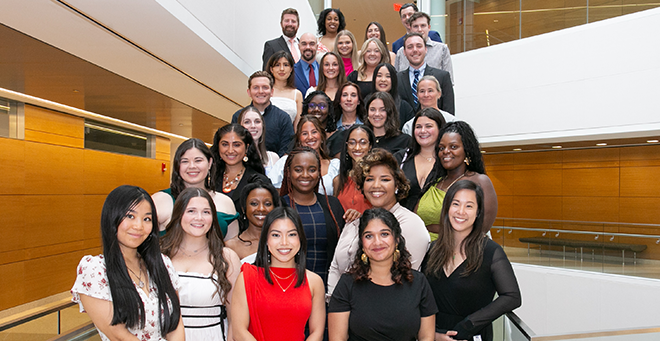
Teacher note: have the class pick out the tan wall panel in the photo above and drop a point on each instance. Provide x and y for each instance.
(12, 256)
(146, 174)
(497, 160)
(650, 152)
(592, 182)
(103, 171)
(639, 210)
(590, 156)
(538, 182)
(12, 282)
(163, 157)
(162, 145)
(12, 222)
(640, 182)
(537, 157)
(591, 208)
(12, 166)
(537, 207)
(55, 249)
(52, 122)
(56, 219)
(505, 206)
(50, 275)
(39, 136)
(92, 220)
(502, 181)
(53, 169)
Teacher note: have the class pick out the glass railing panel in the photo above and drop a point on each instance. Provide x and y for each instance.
(540, 16)
(45, 327)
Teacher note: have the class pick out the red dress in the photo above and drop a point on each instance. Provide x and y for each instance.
(276, 314)
(351, 197)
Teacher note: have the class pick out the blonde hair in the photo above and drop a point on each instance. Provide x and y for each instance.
(354, 54)
(384, 55)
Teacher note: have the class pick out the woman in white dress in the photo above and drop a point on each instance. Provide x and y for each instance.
(252, 120)
(129, 291)
(285, 95)
(207, 270)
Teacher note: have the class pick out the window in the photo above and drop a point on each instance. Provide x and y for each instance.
(11, 119)
(100, 136)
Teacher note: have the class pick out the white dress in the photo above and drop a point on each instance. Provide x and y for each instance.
(277, 173)
(272, 159)
(288, 105)
(92, 281)
(204, 315)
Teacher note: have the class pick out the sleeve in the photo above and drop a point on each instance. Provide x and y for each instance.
(508, 298)
(447, 98)
(344, 254)
(333, 170)
(234, 118)
(427, 306)
(447, 64)
(352, 77)
(341, 297)
(435, 36)
(268, 51)
(417, 239)
(277, 172)
(91, 280)
(174, 276)
(397, 62)
(406, 113)
(287, 134)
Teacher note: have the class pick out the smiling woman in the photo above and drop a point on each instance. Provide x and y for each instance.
(383, 119)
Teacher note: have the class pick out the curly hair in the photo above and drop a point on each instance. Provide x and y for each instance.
(274, 59)
(346, 164)
(330, 124)
(401, 269)
(254, 160)
(321, 21)
(177, 184)
(381, 157)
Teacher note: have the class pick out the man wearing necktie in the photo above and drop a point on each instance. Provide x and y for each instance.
(307, 69)
(288, 41)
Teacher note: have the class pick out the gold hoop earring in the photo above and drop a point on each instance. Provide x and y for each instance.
(396, 255)
(364, 259)
(245, 158)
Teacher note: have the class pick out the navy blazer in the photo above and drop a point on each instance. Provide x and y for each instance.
(302, 83)
(434, 35)
(446, 102)
(272, 46)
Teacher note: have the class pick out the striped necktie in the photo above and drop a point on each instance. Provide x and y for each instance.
(414, 86)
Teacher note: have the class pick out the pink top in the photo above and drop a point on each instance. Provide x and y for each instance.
(348, 65)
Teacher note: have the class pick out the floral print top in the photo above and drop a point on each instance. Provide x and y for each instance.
(92, 281)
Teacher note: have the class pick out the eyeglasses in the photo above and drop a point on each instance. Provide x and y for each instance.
(321, 106)
(363, 143)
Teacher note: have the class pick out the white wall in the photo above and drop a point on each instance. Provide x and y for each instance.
(581, 83)
(566, 301)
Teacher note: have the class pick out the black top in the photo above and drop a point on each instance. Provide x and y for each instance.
(278, 129)
(406, 112)
(235, 195)
(336, 142)
(409, 169)
(366, 88)
(393, 143)
(382, 313)
(466, 304)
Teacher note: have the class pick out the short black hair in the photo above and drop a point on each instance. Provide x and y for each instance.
(406, 5)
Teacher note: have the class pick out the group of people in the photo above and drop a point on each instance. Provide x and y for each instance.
(313, 216)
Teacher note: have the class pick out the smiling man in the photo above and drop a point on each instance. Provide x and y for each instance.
(279, 130)
(405, 12)
(307, 69)
(289, 21)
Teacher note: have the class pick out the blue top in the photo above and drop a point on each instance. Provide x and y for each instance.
(434, 35)
(278, 128)
(313, 220)
(224, 219)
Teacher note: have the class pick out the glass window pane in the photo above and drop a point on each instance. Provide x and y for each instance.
(112, 139)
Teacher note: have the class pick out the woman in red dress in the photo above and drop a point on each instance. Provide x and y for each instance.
(276, 297)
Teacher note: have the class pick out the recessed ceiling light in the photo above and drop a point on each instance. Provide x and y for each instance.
(483, 152)
(652, 141)
(601, 144)
(556, 147)
(516, 149)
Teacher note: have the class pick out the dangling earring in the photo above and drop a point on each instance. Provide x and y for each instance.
(396, 255)
(245, 158)
(364, 259)
(268, 257)
(467, 161)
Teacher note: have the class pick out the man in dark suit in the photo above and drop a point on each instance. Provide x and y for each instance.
(415, 51)
(405, 12)
(307, 69)
(288, 41)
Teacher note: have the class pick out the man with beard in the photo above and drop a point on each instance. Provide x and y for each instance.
(307, 69)
(288, 41)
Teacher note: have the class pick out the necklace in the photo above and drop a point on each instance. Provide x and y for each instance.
(227, 184)
(194, 253)
(140, 283)
(278, 283)
(453, 182)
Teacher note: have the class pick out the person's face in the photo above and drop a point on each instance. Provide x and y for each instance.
(358, 144)
(307, 47)
(379, 187)
(283, 242)
(349, 99)
(378, 241)
(383, 80)
(421, 26)
(197, 218)
(289, 25)
(310, 136)
(372, 55)
(345, 46)
(373, 32)
(231, 149)
(260, 91)
(428, 94)
(253, 123)
(377, 113)
(318, 107)
(194, 167)
(330, 67)
(281, 70)
(331, 23)
(258, 204)
(426, 132)
(305, 172)
(415, 51)
(405, 14)
(135, 227)
(451, 153)
(463, 211)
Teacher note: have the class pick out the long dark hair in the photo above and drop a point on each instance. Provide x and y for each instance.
(414, 147)
(254, 160)
(393, 91)
(401, 269)
(382, 38)
(263, 255)
(360, 112)
(176, 184)
(443, 248)
(392, 121)
(126, 303)
(174, 234)
(321, 21)
(341, 78)
(260, 144)
(276, 57)
(346, 161)
(254, 182)
(323, 146)
(330, 124)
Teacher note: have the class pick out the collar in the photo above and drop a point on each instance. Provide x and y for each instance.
(267, 110)
(287, 38)
(421, 69)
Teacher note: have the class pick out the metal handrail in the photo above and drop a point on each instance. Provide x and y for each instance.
(521, 325)
(37, 313)
(82, 332)
(592, 334)
(613, 234)
(582, 222)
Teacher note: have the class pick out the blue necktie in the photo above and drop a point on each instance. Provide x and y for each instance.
(414, 86)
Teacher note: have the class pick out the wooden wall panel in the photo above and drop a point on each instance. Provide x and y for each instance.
(590, 157)
(592, 182)
(47, 126)
(50, 275)
(56, 219)
(590, 208)
(640, 182)
(53, 169)
(538, 182)
(103, 171)
(505, 205)
(537, 207)
(12, 282)
(639, 210)
(491, 160)
(12, 222)
(503, 181)
(537, 158)
(92, 219)
(146, 174)
(12, 166)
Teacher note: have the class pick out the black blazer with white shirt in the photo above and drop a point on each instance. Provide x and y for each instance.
(272, 46)
(446, 102)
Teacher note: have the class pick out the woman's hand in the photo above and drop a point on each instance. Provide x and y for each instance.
(351, 214)
(447, 336)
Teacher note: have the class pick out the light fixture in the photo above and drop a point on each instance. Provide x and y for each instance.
(652, 141)
(601, 144)
(556, 147)
(483, 152)
(517, 149)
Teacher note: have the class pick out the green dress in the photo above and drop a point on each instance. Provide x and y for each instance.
(224, 219)
(429, 207)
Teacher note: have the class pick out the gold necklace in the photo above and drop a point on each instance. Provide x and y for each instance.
(287, 277)
(278, 283)
(227, 187)
(194, 252)
(452, 183)
(140, 282)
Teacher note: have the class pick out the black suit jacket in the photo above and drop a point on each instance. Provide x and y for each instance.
(272, 46)
(446, 102)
